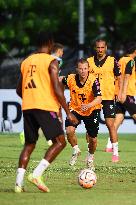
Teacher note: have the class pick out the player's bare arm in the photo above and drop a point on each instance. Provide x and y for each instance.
(19, 86)
(120, 85)
(61, 83)
(95, 102)
(97, 96)
(124, 88)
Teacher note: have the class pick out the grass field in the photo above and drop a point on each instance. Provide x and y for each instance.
(116, 183)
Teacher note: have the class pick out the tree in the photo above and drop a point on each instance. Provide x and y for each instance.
(20, 21)
(113, 19)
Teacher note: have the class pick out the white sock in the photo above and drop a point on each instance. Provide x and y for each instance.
(75, 149)
(109, 144)
(42, 166)
(20, 177)
(87, 147)
(90, 157)
(115, 148)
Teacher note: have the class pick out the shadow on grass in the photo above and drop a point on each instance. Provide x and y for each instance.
(7, 190)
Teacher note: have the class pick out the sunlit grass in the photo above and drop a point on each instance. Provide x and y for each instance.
(116, 183)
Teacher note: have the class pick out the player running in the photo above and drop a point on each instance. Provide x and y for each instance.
(42, 96)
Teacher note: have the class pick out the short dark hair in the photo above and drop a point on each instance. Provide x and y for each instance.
(100, 40)
(44, 38)
(130, 47)
(57, 46)
(82, 60)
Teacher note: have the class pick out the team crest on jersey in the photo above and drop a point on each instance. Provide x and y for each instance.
(92, 71)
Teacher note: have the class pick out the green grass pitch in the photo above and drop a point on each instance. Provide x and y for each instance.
(116, 183)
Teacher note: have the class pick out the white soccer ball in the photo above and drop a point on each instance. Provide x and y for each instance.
(87, 178)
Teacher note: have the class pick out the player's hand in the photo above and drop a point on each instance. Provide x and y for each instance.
(61, 78)
(118, 97)
(85, 107)
(72, 118)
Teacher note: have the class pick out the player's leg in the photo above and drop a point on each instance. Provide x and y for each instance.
(118, 120)
(72, 139)
(71, 136)
(120, 113)
(113, 138)
(109, 114)
(59, 114)
(92, 127)
(31, 136)
(92, 148)
(23, 161)
(87, 141)
(53, 130)
(108, 145)
(130, 106)
(119, 117)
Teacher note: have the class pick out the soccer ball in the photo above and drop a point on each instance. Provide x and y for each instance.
(87, 178)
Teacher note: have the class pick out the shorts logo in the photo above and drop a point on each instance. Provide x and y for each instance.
(111, 107)
(95, 120)
(53, 114)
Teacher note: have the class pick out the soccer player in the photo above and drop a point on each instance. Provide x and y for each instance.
(57, 52)
(42, 96)
(106, 69)
(128, 70)
(85, 104)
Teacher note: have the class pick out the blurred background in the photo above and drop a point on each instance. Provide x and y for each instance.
(75, 24)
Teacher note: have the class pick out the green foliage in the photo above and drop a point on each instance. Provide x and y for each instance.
(115, 16)
(20, 20)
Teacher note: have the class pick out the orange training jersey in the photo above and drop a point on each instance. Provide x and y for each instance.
(131, 90)
(37, 90)
(106, 77)
(79, 96)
